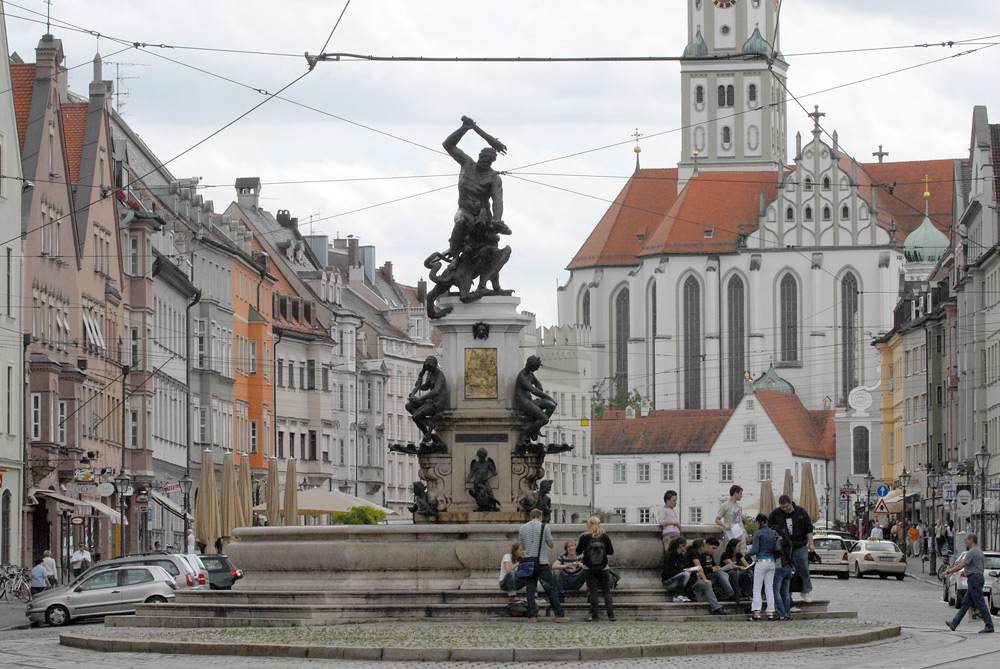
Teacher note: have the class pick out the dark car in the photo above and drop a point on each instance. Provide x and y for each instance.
(222, 573)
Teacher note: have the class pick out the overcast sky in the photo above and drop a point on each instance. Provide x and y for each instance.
(540, 111)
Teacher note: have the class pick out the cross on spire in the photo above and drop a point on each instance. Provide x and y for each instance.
(637, 149)
(816, 115)
(880, 154)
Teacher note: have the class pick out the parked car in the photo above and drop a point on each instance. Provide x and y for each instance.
(957, 584)
(188, 571)
(993, 582)
(222, 573)
(102, 592)
(877, 557)
(832, 552)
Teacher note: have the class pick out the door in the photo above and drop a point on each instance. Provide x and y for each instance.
(95, 596)
(136, 585)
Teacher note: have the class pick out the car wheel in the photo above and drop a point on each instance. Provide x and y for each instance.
(843, 576)
(156, 599)
(57, 615)
(857, 571)
(900, 577)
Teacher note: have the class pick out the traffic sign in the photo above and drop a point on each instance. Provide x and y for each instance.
(844, 496)
(882, 490)
(881, 506)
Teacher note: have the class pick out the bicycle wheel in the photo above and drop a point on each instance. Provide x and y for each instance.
(23, 592)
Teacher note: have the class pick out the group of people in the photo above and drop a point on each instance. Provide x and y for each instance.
(45, 571)
(759, 568)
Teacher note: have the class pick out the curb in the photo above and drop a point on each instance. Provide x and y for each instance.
(474, 654)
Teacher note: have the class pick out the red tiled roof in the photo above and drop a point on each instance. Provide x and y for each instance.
(906, 204)
(674, 431)
(22, 78)
(726, 203)
(809, 434)
(74, 123)
(646, 197)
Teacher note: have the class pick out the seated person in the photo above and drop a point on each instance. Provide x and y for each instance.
(714, 573)
(509, 582)
(676, 576)
(738, 569)
(569, 569)
(698, 560)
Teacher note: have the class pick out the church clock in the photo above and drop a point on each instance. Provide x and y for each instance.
(724, 4)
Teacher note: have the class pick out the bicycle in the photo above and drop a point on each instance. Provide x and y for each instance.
(15, 581)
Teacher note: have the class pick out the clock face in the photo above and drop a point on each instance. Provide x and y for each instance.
(724, 4)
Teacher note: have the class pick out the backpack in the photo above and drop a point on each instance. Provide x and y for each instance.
(517, 610)
(596, 553)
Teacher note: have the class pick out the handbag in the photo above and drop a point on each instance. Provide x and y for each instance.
(526, 568)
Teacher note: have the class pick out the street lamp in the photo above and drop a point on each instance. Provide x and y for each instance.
(932, 482)
(869, 479)
(983, 461)
(904, 480)
(186, 484)
(121, 482)
(850, 489)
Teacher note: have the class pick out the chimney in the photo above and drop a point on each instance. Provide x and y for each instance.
(422, 291)
(352, 252)
(248, 191)
(387, 271)
(48, 64)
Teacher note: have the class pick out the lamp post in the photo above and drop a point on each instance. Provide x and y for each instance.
(904, 480)
(121, 482)
(932, 482)
(869, 479)
(186, 484)
(850, 489)
(983, 461)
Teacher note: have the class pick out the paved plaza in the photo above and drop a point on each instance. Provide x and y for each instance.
(914, 603)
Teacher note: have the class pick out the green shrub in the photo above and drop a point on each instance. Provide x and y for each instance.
(358, 515)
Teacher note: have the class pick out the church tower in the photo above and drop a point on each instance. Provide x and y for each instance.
(733, 109)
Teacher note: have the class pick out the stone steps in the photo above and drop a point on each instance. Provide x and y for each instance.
(259, 597)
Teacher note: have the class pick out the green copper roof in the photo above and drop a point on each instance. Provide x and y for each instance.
(770, 380)
(697, 48)
(756, 45)
(926, 243)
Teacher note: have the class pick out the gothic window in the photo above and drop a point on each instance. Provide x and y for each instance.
(651, 343)
(736, 360)
(860, 451)
(692, 344)
(585, 308)
(848, 334)
(826, 213)
(809, 183)
(699, 95)
(752, 93)
(730, 95)
(826, 183)
(789, 301)
(727, 136)
(809, 213)
(845, 213)
(789, 214)
(722, 96)
(621, 334)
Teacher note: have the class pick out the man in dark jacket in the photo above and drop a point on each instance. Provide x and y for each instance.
(793, 524)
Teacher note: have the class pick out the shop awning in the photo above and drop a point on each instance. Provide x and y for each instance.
(104, 510)
(169, 505)
(97, 506)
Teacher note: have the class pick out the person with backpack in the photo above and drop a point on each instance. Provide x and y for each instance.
(535, 536)
(594, 547)
(792, 522)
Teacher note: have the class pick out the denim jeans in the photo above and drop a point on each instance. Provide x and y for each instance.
(800, 556)
(704, 592)
(974, 597)
(677, 584)
(720, 580)
(783, 590)
(510, 583)
(544, 574)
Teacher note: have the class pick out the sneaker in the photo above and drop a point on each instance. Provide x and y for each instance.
(950, 625)
(718, 612)
(678, 599)
(986, 630)
(613, 618)
(686, 599)
(561, 619)
(807, 597)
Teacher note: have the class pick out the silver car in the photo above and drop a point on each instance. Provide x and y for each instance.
(102, 592)
(188, 570)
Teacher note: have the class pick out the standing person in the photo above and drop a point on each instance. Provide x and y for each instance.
(535, 536)
(569, 566)
(676, 576)
(51, 568)
(793, 523)
(764, 550)
(876, 532)
(595, 547)
(913, 534)
(39, 577)
(730, 516)
(669, 520)
(972, 563)
(783, 579)
(701, 585)
(949, 534)
(80, 560)
(509, 582)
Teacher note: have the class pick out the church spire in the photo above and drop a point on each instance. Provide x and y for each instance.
(637, 149)
(816, 115)
(927, 197)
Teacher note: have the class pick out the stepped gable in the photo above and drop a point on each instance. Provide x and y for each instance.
(615, 241)
(808, 434)
(74, 123)
(664, 431)
(906, 204)
(725, 203)
(22, 78)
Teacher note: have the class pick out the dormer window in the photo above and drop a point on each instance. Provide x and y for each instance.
(709, 233)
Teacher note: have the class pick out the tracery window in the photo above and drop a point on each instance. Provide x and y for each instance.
(789, 303)
(692, 343)
(736, 361)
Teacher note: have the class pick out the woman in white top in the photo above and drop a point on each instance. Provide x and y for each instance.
(508, 572)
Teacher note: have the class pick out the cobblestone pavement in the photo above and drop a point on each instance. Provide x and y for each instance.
(925, 644)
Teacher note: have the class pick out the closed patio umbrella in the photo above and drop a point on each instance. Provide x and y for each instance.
(290, 514)
(206, 507)
(246, 492)
(808, 499)
(273, 509)
(766, 505)
(229, 507)
(788, 488)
